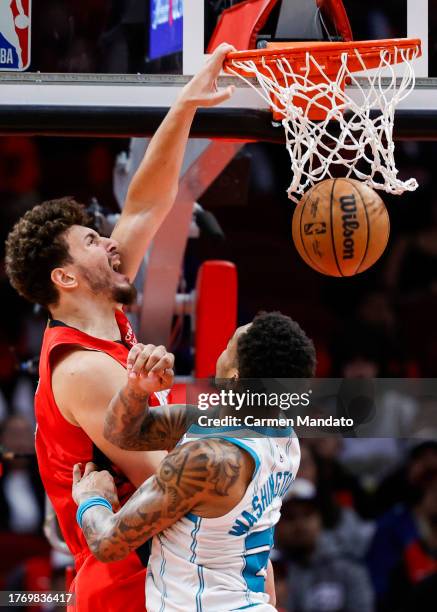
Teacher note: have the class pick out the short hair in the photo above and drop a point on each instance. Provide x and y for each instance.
(275, 346)
(36, 245)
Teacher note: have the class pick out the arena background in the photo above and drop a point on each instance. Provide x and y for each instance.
(360, 531)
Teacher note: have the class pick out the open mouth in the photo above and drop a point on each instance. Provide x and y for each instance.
(115, 263)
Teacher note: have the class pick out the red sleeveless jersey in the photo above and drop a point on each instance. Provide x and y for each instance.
(59, 445)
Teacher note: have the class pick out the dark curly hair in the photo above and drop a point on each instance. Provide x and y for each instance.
(275, 346)
(36, 245)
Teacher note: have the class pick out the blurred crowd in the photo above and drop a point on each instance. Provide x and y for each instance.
(342, 546)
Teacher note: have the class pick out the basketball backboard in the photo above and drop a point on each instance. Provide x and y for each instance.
(114, 63)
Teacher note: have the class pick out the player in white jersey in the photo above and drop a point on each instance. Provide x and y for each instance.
(215, 500)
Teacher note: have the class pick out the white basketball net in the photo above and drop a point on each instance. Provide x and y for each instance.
(362, 140)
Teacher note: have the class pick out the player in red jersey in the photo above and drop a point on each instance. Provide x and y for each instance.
(53, 258)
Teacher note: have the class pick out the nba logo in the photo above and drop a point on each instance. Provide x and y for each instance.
(14, 34)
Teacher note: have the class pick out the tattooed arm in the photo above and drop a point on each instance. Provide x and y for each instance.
(206, 475)
(130, 423)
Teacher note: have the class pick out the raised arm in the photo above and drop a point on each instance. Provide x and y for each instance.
(207, 472)
(154, 186)
(130, 423)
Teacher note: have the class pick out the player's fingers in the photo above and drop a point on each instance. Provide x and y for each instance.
(155, 357)
(167, 378)
(133, 354)
(217, 58)
(218, 97)
(142, 358)
(77, 472)
(107, 475)
(166, 362)
(90, 467)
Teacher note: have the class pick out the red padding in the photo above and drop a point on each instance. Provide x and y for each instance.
(240, 24)
(216, 313)
(335, 11)
(178, 394)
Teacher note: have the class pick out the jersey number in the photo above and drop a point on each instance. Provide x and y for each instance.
(258, 546)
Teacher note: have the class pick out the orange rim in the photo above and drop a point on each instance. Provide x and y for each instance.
(327, 53)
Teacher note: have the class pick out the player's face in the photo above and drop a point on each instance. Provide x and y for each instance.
(227, 366)
(95, 264)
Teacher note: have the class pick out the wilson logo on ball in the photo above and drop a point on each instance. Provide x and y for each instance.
(348, 206)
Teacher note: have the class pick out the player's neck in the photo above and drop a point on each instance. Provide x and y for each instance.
(88, 314)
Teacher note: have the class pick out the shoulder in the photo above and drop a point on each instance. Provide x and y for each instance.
(84, 364)
(214, 461)
(81, 377)
(212, 450)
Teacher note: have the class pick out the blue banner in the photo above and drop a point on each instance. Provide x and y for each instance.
(166, 20)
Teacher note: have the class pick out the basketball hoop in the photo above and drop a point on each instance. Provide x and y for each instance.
(327, 124)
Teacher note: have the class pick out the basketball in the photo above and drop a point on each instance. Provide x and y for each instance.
(340, 227)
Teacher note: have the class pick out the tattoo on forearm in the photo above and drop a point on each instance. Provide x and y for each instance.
(193, 472)
(124, 418)
(132, 425)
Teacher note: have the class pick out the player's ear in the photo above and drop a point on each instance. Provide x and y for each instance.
(63, 279)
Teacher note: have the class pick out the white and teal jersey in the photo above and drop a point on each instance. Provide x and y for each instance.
(219, 564)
